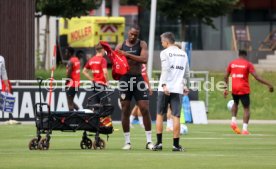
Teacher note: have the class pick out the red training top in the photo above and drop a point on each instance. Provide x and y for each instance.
(144, 70)
(96, 64)
(4, 86)
(239, 70)
(75, 74)
(144, 73)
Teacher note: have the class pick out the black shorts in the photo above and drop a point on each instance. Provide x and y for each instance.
(98, 92)
(175, 101)
(133, 85)
(245, 99)
(71, 91)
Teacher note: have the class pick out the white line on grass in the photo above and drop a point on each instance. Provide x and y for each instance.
(131, 153)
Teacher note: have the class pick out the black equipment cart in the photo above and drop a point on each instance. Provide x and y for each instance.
(97, 121)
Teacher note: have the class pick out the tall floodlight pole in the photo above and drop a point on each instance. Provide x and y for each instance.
(151, 36)
(115, 7)
(103, 8)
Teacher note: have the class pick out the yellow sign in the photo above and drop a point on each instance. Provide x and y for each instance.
(81, 34)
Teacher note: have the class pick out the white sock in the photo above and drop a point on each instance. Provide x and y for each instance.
(234, 119)
(244, 127)
(127, 137)
(169, 123)
(148, 135)
(141, 120)
(131, 118)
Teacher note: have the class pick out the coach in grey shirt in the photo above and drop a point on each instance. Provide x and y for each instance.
(3, 73)
(173, 84)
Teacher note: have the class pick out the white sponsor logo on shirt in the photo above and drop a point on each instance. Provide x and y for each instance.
(237, 66)
(94, 62)
(237, 75)
(95, 71)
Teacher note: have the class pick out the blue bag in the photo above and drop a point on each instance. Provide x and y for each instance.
(187, 109)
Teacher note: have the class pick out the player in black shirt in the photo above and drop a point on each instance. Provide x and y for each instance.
(132, 84)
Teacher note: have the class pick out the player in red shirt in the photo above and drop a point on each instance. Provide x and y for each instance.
(239, 69)
(98, 66)
(73, 78)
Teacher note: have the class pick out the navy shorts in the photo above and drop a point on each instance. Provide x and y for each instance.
(175, 101)
(71, 91)
(245, 100)
(98, 92)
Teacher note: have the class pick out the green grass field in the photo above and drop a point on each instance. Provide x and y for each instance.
(212, 146)
(262, 102)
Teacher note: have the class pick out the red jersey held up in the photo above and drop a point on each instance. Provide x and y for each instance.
(119, 65)
(75, 74)
(119, 62)
(96, 64)
(239, 70)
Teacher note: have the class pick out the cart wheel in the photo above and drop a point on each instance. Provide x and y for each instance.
(33, 144)
(100, 144)
(43, 144)
(86, 143)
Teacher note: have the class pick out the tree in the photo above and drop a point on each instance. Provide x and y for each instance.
(196, 10)
(65, 9)
(191, 10)
(203, 10)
